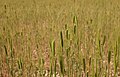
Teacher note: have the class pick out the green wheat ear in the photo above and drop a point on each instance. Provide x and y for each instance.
(104, 39)
(109, 57)
(61, 66)
(67, 34)
(65, 26)
(119, 50)
(51, 71)
(20, 63)
(55, 67)
(87, 74)
(53, 47)
(11, 48)
(90, 61)
(84, 64)
(74, 29)
(6, 50)
(115, 61)
(75, 22)
(67, 51)
(61, 36)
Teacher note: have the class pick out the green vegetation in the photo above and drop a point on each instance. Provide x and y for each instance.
(54, 38)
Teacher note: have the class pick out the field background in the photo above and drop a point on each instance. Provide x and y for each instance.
(75, 38)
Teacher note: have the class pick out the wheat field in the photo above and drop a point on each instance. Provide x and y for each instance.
(59, 38)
